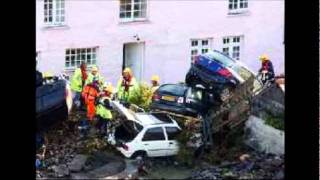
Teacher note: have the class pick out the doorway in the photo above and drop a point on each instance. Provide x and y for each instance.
(133, 57)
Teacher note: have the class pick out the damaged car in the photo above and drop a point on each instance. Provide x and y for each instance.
(218, 73)
(144, 134)
(181, 99)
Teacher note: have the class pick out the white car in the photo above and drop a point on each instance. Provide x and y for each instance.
(145, 134)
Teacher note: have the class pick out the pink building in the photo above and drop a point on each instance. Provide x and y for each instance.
(155, 36)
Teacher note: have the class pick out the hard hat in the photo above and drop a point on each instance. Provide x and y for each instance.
(264, 57)
(94, 69)
(127, 70)
(155, 78)
(47, 74)
(108, 88)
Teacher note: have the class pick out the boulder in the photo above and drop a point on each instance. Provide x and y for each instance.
(264, 138)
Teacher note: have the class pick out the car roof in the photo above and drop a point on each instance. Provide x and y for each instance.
(150, 119)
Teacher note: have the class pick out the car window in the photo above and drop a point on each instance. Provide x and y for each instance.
(194, 95)
(154, 134)
(177, 90)
(172, 132)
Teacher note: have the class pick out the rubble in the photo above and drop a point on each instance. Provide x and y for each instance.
(258, 166)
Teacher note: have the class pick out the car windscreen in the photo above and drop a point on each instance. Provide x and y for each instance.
(177, 90)
(242, 71)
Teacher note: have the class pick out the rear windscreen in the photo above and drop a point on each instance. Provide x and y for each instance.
(127, 131)
(177, 90)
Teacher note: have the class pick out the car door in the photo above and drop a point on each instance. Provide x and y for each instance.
(154, 142)
(172, 143)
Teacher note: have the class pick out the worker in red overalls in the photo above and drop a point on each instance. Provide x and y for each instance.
(89, 94)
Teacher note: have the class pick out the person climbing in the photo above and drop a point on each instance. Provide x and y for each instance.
(266, 69)
(103, 109)
(154, 83)
(95, 76)
(89, 94)
(126, 86)
(77, 83)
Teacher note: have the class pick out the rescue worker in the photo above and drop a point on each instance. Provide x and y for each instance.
(266, 69)
(103, 109)
(89, 94)
(154, 83)
(95, 76)
(77, 83)
(126, 86)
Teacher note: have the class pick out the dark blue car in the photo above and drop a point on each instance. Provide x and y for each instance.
(180, 99)
(218, 73)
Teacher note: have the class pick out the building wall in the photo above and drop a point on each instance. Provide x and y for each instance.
(166, 33)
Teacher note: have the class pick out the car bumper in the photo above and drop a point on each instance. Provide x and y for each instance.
(127, 154)
(175, 109)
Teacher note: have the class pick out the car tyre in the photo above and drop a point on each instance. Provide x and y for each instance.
(141, 154)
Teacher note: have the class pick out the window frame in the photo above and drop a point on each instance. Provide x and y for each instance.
(228, 43)
(132, 18)
(237, 10)
(54, 14)
(144, 135)
(93, 50)
(199, 47)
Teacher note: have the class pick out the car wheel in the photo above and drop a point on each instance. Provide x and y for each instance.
(141, 154)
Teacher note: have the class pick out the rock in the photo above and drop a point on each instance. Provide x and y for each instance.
(61, 170)
(78, 163)
(264, 138)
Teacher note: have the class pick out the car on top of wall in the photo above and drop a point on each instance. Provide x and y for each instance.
(218, 73)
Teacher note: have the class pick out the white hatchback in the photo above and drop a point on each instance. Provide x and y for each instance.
(145, 134)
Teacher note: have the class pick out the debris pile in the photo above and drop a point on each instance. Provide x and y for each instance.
(250, 166)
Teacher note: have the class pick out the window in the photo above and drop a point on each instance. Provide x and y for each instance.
(133, 9)
(199, 46)
(194, 95)
(154, 134)
(237, 5)
(54, 12)
(172, 132)
(231, 46)
(74, 57)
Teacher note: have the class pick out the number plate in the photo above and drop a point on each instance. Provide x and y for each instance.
(168, 98)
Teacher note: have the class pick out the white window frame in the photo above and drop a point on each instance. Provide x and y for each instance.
(78, 54)
(54, 15)
(238, 9)
(232, 42)
(132, 18)
(199, 47)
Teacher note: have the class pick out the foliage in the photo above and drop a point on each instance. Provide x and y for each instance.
(142, 96)
(276, 122)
